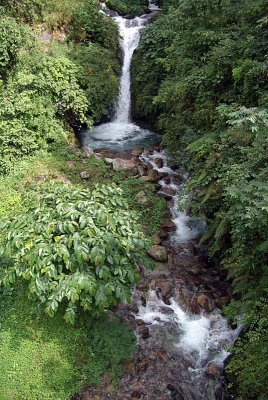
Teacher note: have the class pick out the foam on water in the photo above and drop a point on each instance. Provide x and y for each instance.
(203, 338)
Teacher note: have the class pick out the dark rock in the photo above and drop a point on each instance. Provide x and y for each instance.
(167, 193)
(213, 370)
(168, 226)
(167, 288)
(143, 331)
(159, 162)
(204, 301)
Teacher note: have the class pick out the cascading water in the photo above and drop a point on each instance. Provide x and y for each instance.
(122, 133)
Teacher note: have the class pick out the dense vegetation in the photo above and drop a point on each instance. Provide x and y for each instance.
(200, 75)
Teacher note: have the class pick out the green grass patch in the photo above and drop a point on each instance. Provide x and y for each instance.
(45, 359)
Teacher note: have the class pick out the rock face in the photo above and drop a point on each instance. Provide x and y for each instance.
(158, 253)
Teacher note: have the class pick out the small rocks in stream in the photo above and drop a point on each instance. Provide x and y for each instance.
(167, 193)
(158, 253)
(206, 302)
(84, 175)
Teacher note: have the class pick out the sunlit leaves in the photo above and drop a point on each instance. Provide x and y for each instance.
(73, 245)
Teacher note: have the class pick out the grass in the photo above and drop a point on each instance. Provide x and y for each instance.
(44, 359)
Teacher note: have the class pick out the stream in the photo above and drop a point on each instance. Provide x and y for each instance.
(182, 338)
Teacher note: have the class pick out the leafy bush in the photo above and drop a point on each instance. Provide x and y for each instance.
(98, 76)
(13, 37)
(76, 247)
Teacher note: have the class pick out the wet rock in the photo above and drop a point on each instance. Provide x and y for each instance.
(168, 226)
(204, 301)
(142, 198)
(167, 193)
(84, 175)
(167, 288)
(86, 151)
(213, 370)
(158, 253)
(157, 187)
(159, 162)
(143, 331)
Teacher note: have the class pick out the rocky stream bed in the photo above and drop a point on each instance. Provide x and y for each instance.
(182, 337)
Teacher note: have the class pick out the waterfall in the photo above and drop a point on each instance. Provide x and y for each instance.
(130, 35)
(122, 133)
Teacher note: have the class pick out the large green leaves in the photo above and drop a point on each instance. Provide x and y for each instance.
(79, 247)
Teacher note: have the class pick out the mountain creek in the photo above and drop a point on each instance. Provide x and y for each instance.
(182, 339)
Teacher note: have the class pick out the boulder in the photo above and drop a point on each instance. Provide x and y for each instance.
(153, 176)
(205, 302)
(213, 370)
(166, 288)
(109, 160)
(128, 166)
(84, 175)
(158, 253)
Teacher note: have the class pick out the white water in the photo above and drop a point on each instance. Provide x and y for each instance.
(203, 338)
(184, 232)
(122, 133)
(129, 31)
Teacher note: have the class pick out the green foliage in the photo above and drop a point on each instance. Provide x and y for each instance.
(13, 37)
(200, 75)
(46, 359)
(98, 76)
(130, 7)
(76, 247)
(89, 25)
(247, 370)
(29, 11)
